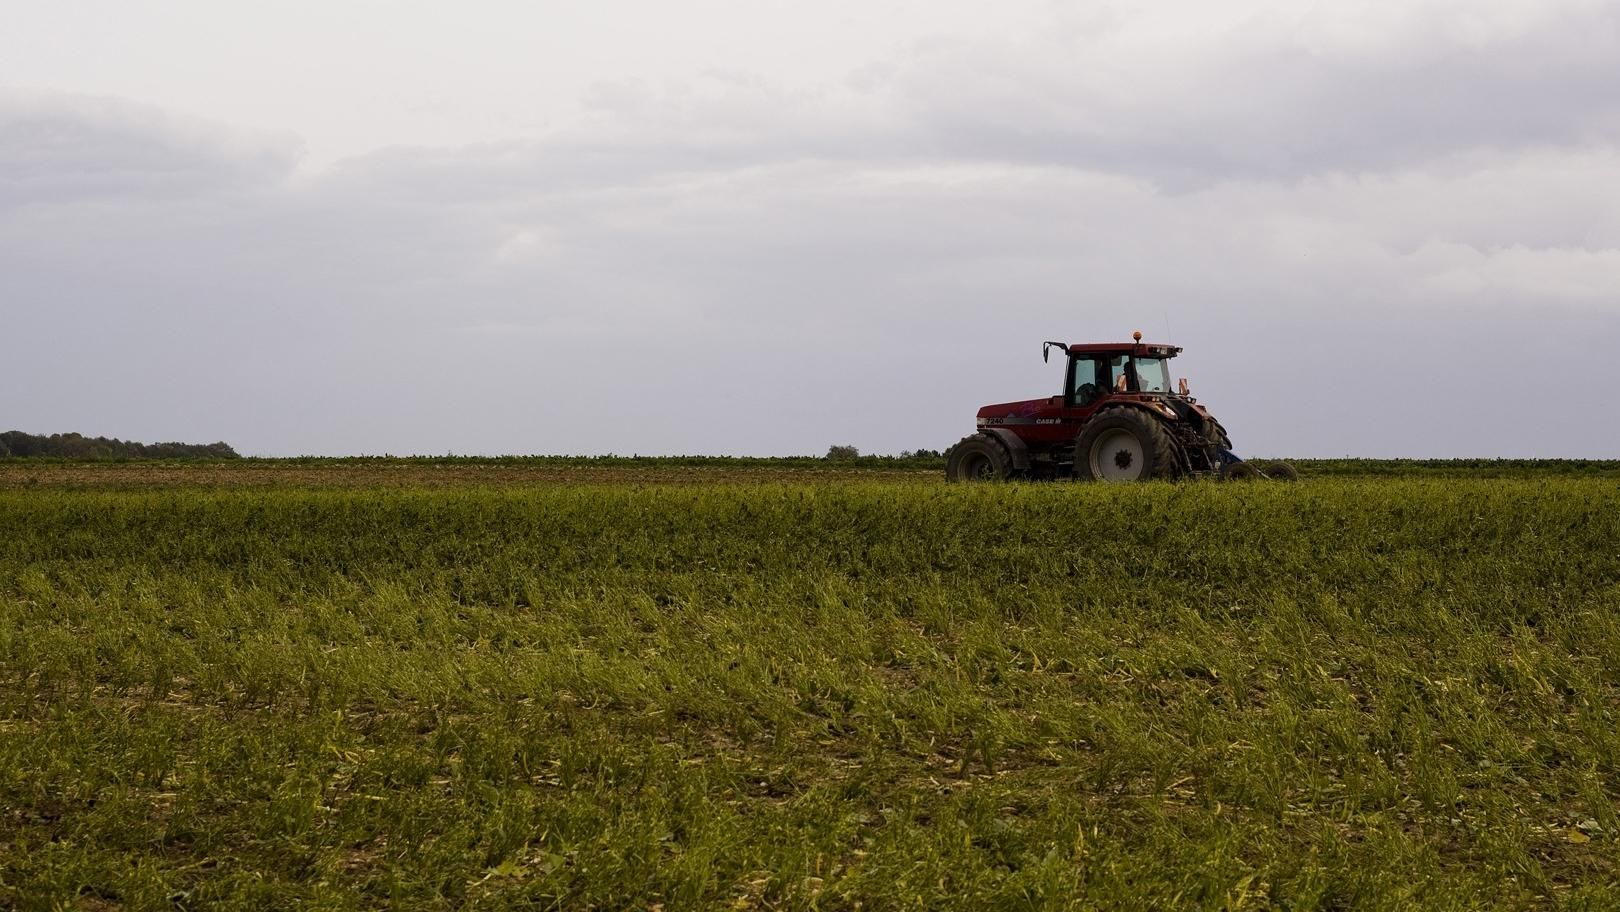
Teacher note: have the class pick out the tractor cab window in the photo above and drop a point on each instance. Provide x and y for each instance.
(1089, 381)
(1117, 376)
(1153, 375)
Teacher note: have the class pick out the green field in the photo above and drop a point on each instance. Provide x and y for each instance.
(756, 689)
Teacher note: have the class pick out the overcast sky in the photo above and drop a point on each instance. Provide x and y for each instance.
(765, 227)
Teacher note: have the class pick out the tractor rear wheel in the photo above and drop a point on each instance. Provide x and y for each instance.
(1123, 444)
(978, 457)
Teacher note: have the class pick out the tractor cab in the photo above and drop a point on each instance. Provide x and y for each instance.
(1096, 371)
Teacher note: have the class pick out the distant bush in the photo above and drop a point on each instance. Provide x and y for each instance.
(843, 452)
(921, 454)
(78, 446)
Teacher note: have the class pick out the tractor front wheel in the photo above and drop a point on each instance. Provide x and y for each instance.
(978, 458)
(1123, 444)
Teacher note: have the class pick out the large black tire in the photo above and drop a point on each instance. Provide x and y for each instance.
(1281, 471)
(978, 457)
(1216, 434)
(1240, 471)
(1123, 444)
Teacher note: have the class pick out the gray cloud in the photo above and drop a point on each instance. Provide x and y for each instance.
(56, 147)
(1272, 98)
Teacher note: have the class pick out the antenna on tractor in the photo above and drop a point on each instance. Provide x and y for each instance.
(1046, 349)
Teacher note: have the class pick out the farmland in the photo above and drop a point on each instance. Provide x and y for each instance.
(657, 684)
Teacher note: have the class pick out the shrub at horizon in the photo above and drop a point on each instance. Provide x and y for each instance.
(78, 446)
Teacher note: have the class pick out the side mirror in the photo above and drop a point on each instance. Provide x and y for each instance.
(1181, 385)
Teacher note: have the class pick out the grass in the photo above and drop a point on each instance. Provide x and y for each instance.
(1340, 467)
(1348, 693)
(604, 461)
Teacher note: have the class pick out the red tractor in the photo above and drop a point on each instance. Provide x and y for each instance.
(1117, 419)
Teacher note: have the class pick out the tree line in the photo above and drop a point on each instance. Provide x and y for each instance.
(78, 446)
(846, 453)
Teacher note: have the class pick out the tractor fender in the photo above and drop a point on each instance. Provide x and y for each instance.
(1144, 407)
(1016, 447)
